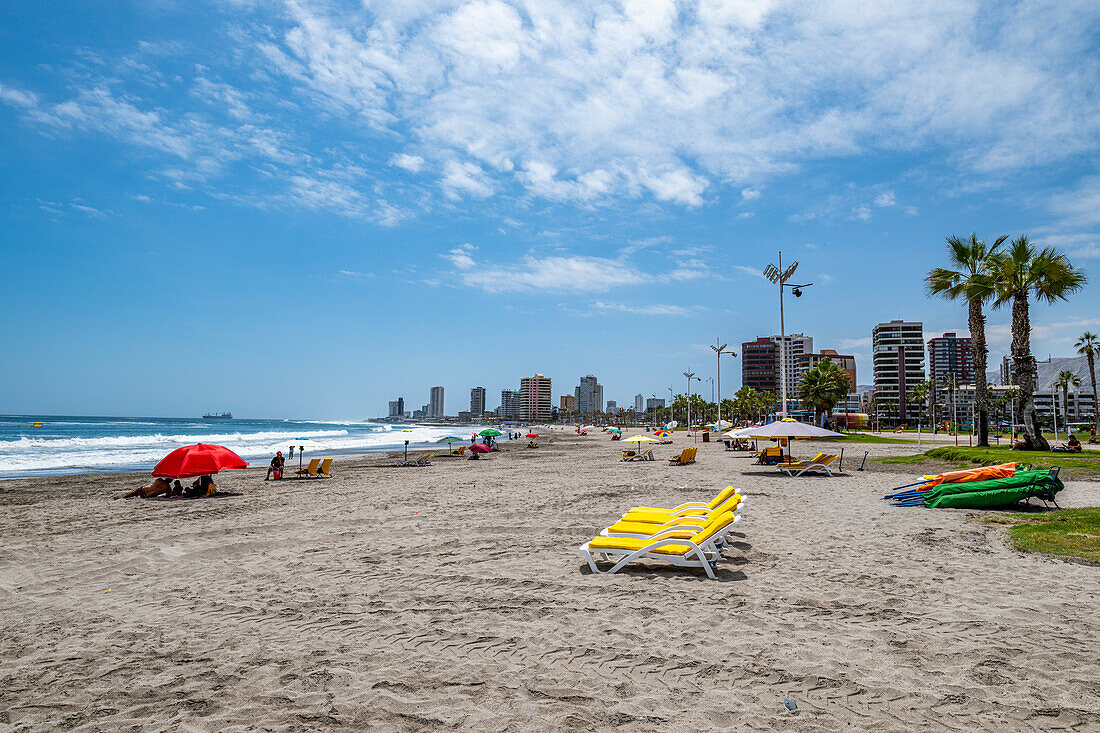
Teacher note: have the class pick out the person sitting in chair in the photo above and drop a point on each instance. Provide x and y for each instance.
(276, 466)
(532, 444)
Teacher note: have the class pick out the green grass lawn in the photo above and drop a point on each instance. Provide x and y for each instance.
(1079, 464)
(1066, 532)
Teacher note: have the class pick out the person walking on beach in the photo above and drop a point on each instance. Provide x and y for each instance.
(276, 467)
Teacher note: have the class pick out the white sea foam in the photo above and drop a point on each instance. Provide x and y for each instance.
(72, 455)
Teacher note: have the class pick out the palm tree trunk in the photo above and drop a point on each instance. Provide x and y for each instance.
(979, 356)
(1024, 363)
(1095, 402)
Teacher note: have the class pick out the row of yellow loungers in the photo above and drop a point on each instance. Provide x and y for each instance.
(689, 535)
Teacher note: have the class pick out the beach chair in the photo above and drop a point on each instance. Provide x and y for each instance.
(326, 468)
(642, 515)
(647, 455)
(687, 507)
(628, 455)
(461, 451)
(424, 459)
(682, 528)
(687, 455)
(819, 465)
(700, 550)
(310, 470)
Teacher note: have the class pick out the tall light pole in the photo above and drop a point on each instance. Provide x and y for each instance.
(779, 276)
(718, 351)
(670, 404)
(654, 397)
(687, 397)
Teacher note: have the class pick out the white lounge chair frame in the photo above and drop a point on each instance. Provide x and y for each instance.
(811, 468)
(704, 555)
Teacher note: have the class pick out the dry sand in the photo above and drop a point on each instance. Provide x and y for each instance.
(453, 597)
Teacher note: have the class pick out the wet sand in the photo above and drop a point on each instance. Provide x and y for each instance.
(453, 597)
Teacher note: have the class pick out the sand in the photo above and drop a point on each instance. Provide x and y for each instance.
(452, 597)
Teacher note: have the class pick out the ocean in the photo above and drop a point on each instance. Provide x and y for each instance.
(68, 444)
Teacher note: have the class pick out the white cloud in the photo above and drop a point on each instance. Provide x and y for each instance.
(569, 273)
(856, 343)
(467, 178)
(861, 213)
(588, 102)
(411, 163)
(650, 309)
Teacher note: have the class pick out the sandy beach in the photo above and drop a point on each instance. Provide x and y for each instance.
(453, 597)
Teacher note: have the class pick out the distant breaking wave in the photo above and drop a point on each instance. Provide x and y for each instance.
(93, 450)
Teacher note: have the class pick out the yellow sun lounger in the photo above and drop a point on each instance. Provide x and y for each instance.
(687, 455)
(326, 468)
(424, 459)
(732, 504)
(700, 550)
(461, 450)
(310, 470)
(679, 527)
(712, 504)
(819, 464)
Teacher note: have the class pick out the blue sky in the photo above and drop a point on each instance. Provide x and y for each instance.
(308, 208)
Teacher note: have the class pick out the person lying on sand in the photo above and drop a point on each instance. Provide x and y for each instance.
(158, 487)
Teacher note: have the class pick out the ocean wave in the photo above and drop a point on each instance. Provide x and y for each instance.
(73, 455)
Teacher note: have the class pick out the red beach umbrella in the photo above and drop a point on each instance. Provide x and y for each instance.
(480, 448)
(198, 460)
(531, 435)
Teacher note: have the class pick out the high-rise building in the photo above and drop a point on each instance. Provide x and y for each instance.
(612, 406)
(509, 404)
(435, 403)
(589, 395)
(1008, 370)
(535, 399)
(949, 355)
(760, 364)
(568, 403)
(477, 401)
(846, 362)
(397, 407)
(898, 348)
(639, 403)
(652, 403)
(796, 344)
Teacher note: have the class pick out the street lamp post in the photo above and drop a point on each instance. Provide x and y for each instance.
(670, 404)
(718, 351)
(779, 276)
(687, 397)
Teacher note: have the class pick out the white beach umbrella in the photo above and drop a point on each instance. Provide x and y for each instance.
(788, 428)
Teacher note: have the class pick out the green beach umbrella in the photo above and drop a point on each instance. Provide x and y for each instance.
(450, 439)
(614, 430)
(490, 432)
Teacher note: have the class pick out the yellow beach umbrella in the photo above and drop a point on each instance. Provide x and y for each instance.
(639, 439)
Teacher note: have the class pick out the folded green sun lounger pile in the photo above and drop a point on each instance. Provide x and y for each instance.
(983, 494)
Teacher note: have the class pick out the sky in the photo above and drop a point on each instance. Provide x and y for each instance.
(306, 209)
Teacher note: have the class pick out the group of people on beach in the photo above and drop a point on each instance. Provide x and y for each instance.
(202, 486)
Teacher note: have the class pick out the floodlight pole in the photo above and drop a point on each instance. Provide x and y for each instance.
(779, 276)
(718, 351)
(687, 398)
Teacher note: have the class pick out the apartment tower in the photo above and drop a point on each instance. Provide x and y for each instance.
(898, 348)
(535, 400)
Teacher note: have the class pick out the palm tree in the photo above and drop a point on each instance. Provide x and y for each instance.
(1089, 345)
(823, 386)
(1020, 271)
(970, 280)
(1064, 381)
(919, 395)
